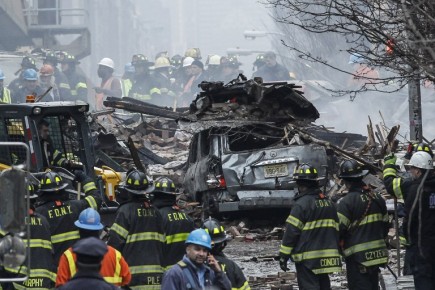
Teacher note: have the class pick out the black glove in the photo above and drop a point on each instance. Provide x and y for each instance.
(283, 263)
(80, 176)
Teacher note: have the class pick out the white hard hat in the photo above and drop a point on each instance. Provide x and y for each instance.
(214, 60)
(162, 62)
(107, 62)
(421, 159)
(188, 61)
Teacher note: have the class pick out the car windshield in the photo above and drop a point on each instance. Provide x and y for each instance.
(252, 138)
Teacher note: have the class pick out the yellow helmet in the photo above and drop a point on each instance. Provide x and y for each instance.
(162, 62)
(193, 52)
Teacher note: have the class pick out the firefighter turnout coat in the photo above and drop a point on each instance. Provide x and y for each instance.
(364, 226)
(61, 214)
(138, 234)
(114, 269)
(177, 225)
(234, 273)
(42, 267)
(311, 235)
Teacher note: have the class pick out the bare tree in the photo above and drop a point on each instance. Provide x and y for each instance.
(395, 36)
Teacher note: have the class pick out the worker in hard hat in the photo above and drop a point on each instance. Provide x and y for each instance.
(26, 63)
(46, 80)
(114, 268)
(142, 85)
(110, 85)
(272, 70)
(194, 53)
(30, 86)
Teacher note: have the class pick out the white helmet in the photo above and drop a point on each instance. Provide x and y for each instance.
(188, 61)
(107, 62)
(421, 159)
(214, 60)
(162, 62)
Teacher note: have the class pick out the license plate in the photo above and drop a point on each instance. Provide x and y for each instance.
(275, 170)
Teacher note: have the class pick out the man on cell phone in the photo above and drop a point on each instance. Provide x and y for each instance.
(198, 269)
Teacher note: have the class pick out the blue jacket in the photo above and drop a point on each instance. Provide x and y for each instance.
(183, 274)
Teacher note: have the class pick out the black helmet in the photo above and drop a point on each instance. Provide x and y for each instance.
(230, 61)
(51, 182)
(137, 183)
(177, 60)
(351, 169)
(164, 185)
(28, 62)
(69, 58)
(259, 60)
(423, 147)
(140, 59)
(215, 230)
(51, 57)
(31, 190)
(306, 171)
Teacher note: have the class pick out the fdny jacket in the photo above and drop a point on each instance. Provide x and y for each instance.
(177, 225)
(42, 267)
(364, 226)
(62, 84)
(61, 214)
(138, 234)
(79, 88)
(184, 276)
(311, 235)
(407, 189)
(114, 269)
(234, 273)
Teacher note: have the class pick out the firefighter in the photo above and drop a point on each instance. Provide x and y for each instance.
(5, 93)
(311, 236)
(363, 228)
(61, 212)
(138, 233)
(90, 254)
(26, 63)
(176, 224)
(419, 221)
(42, 267)
(60, 79)
(50, 155)
(219, 242)
(114, 269)
(197, 269)
(46, 81)
(77, 82)
(162, 84)
(271, 70)
(142, 85)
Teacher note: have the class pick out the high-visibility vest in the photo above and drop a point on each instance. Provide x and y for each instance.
(6, 96)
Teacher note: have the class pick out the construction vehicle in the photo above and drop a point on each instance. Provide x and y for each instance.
(69, 133)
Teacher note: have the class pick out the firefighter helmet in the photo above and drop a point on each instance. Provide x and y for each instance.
(51, 182)
(30, 75)
(215, 230)
(306, 171)
(89, 219)
(177, 60)
(213, 60)
(140, 60)
(230, 61)
(31, 191)
(46, 70)
(164, 185)
(423, 147)
(51, 57)
(351, 169)
(193, 52)
(69, 58)
(199, 237)
(28, 62)
(421, 159)
(162, 62)
(259, 60)
(138, 183)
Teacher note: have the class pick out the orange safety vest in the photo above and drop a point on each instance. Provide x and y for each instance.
(114, 268)
(99, 98)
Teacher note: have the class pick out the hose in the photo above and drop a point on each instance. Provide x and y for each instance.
(418, 198)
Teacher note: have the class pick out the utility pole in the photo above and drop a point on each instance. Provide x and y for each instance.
(415, 119)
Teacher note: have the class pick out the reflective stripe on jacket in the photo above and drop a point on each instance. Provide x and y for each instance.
(114, 269)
